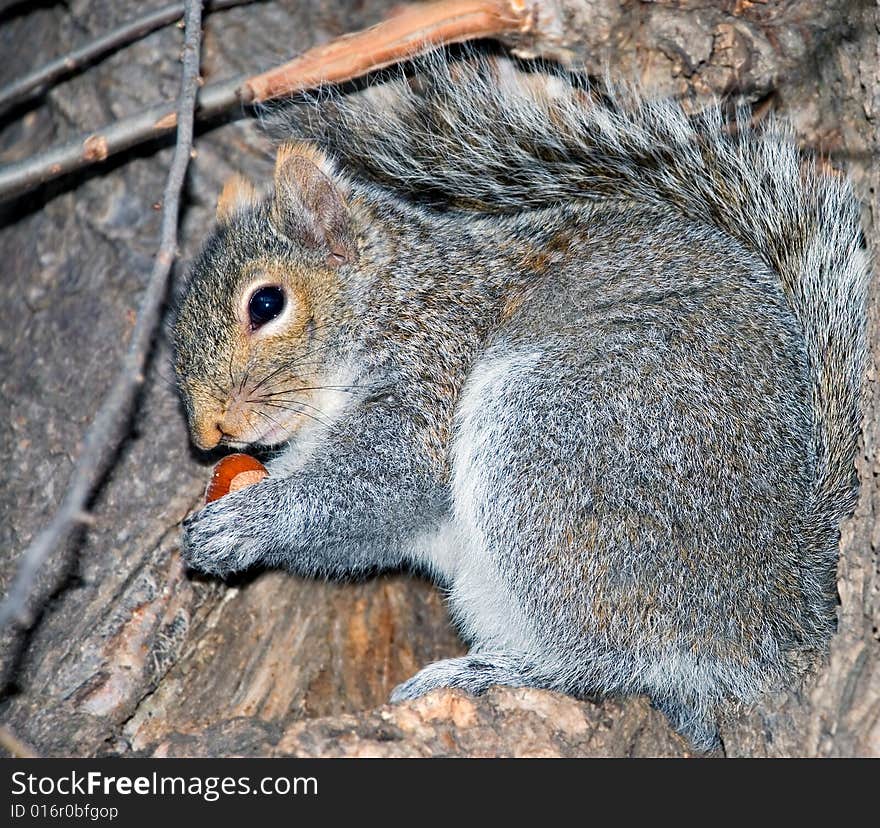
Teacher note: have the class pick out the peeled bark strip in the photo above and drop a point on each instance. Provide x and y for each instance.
(406, 33)
(132, 655)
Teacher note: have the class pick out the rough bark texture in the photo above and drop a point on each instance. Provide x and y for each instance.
(128, 653)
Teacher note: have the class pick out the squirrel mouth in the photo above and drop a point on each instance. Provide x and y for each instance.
(275, 435)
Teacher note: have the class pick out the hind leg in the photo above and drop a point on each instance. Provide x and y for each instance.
(475, 673)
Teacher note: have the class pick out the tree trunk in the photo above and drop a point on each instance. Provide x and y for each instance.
(127, 653)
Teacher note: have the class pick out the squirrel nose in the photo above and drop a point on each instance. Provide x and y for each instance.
(208, 436)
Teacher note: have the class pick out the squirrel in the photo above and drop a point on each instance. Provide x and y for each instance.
(592, 363)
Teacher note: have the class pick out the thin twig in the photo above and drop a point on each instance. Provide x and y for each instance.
(125, 34)
(106, 430)
(408, 33)
(83, 151)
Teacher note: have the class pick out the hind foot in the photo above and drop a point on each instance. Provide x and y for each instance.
(473, 673)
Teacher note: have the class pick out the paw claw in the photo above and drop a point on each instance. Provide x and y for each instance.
(218, 539)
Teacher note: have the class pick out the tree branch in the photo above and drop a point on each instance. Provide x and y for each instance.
(86, 150)
(105, 431)
(125, 34)
(412, 31)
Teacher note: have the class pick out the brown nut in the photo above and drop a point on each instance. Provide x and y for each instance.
(234, 472)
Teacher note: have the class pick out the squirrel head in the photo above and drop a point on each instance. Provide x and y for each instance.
(255, 322)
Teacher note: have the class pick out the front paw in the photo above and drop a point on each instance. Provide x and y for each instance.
(221, 538)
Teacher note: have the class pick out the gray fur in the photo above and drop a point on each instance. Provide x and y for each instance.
(605, 388)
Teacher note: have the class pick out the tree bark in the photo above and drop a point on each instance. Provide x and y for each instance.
(128, 653)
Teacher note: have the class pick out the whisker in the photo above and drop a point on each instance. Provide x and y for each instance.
(268, 377)
(263, 414)
(325, 421)
(295, 411)
(341, 387)
(249, 418)
(276, 404)
(345, 389)
(244, 378)
(275, 422)
(285, 367)
(298, 363)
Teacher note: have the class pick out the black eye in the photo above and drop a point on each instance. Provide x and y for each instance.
(266, 303)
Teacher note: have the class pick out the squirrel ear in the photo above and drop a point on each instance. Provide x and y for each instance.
(309, 204)
(237, 194)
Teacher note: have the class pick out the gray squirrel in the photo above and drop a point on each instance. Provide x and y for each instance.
(592, 363)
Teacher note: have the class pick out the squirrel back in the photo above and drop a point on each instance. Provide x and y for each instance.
(481, 136)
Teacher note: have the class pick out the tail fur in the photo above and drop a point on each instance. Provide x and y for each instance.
(481, 135)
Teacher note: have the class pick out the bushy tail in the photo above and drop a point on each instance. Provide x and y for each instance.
(480, 134)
